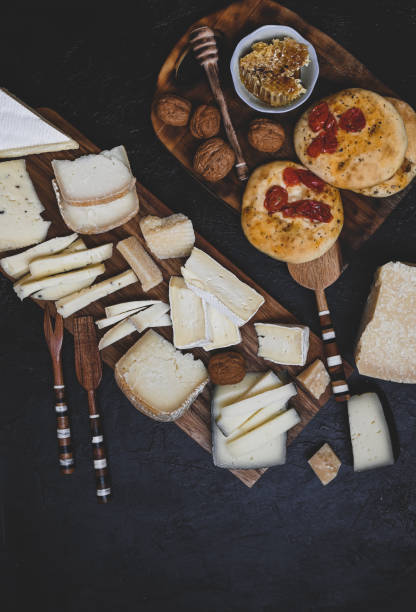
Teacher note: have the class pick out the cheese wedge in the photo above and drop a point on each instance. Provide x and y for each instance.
(224, 332)
(108, 321)
(270, 454)
(149, 317)
(24, 132)
(246, 407)
(56, 292)
(370, 436)
(24, 289)
(74, 302)
(189, 316)
(119, 331)
(264, 433)
(220, 287)
(46, 266)
(283, 344)
(168, 237)
(18, 265)
(140, 261)
(116, 309)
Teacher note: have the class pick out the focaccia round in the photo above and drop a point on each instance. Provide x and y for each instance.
(294, 240)
(408, 115)
(364, 158)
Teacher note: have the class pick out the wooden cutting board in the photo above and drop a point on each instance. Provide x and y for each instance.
(196, 422)
(338, 70)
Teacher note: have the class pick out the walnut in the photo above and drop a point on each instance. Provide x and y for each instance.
(227, 368)
(173, 110)
(265, 135)
(205, 122)
(214, 159)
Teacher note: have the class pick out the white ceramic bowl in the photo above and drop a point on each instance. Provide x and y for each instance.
(309, 74)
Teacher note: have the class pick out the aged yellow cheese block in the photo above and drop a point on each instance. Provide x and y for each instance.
(325, 464)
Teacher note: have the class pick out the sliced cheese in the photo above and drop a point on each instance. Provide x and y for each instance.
(158, 379)
(102, 323)
(270, 454)
(283, 344)
(189, 316)
(149, 317)
(164, 321)
(224, 332)
(247, 406)
(74, 302)
(119, 331)
(24, 289)
(315, 378)
(18, 265)
(220, 287)
(370, 436)
(168, 237)
(261, 435)
(24, 132)
(140, 261)
(116, 309)
(56, 292)
(46, 266)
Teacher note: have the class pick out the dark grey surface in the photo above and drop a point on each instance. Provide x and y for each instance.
(179, 533)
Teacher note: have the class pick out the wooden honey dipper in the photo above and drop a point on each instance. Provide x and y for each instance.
(205, 48)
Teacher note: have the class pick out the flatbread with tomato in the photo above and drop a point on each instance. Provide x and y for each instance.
(352, 139)
(289, 213)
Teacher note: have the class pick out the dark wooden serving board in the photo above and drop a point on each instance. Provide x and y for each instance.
(196, 422)
(338, 69)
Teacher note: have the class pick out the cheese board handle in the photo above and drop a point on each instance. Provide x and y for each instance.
(99, 453)
(334, 362)
(205, 48)
(63, 431)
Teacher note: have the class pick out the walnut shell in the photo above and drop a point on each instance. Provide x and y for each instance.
(205, 122)
(214, 159)
(265, 135)
(173, 110)
(227, 368)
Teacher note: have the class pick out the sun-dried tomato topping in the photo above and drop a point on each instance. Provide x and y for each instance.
(276, 198)
(331, 123)
(329, 142)
(291, 176)
(311, 209)
(318, 116)
(316, 147)
(309, 179)
(352, 120)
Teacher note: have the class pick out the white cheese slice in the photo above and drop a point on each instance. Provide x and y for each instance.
(56, 292)
(168, 237)
(164, 321)
(270, 454)
(247, 406)
(224, 332)
(26, 288)
(220, 287)
(370, 436)
(189, 316)
(116, 309)
(149, 317)
(283, 344)
(254, 438)
(74, 302)
(24, 132)
(119, 331)
(18, 265)
(108, 321)
(63, 262)
(17, 186)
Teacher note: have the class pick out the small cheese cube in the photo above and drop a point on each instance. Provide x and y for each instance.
(325, 464)
(315, 378)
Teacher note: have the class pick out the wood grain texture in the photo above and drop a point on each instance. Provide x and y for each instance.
(338, 70)
(196, 422)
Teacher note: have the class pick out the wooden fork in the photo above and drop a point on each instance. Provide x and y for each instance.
(54, 339)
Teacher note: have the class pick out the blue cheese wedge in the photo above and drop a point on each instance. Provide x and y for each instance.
(189, 316)
(283, 344)
(370, 436)
(220, 287)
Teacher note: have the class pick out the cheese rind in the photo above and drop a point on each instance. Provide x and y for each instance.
(315, 378)
(220, 287)
(119, 331)
(283, 344)
(158, 379)
(168, 237)
(140, 261)
(325, 464)
(224, 332)
(149, 317)
(189, 316)
(26, 288)
(370, 436)
(63, 262)
(74, 302)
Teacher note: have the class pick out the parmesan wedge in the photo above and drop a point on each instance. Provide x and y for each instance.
(149, 317)
(142, 264)
(116, 309)
(168, 237)
(24, 289)
(119, 331)
(102, 323)
(18, 265)
(69, 261)
(74, 302)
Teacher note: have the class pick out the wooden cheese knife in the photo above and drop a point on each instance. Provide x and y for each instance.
(89, 371)
(318, 275)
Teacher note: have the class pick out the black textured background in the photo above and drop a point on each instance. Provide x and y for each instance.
(179, 533)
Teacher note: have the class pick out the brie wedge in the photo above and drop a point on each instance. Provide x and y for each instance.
(189, 316)
(283, 344)
(224, 332)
